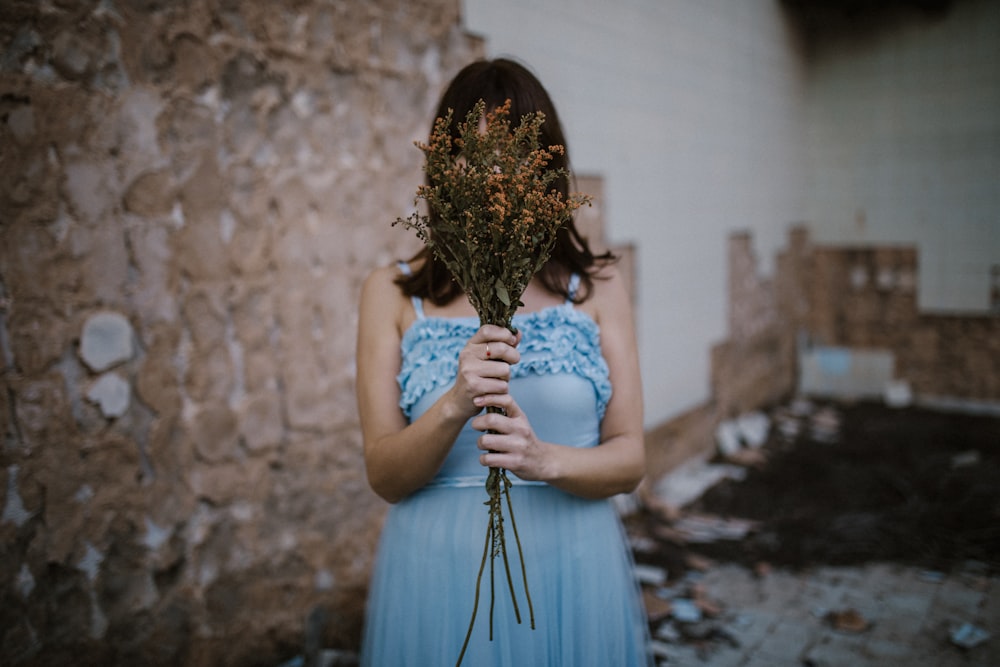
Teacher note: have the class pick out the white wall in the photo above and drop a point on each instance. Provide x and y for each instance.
(691, 111)
(904, 147)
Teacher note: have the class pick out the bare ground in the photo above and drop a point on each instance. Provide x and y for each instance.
(913, 486)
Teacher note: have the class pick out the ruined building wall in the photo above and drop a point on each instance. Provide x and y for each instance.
(866, 298)
(854, 298)
(190, 195)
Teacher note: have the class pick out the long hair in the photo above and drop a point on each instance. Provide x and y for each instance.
(495, 82)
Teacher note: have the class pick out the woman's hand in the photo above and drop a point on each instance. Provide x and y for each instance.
(509, 442)
(479, 376)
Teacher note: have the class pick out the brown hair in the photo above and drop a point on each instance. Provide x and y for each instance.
(495, 82)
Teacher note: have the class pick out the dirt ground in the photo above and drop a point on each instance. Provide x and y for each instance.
(858, 483)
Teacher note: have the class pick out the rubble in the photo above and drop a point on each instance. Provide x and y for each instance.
(847, 620)
(968, 636)
(898, 394)
(691, 479)
(870, 498)
(700, 529)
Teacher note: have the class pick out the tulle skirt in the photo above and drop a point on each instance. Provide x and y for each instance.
(586, 601)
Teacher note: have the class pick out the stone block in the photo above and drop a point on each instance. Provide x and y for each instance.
(106, 340)
(157, 378)
(151, 194)
(38, 336)
(209, 375)
(214, 431)
(112, 393)
(226, 483)
(261, 422)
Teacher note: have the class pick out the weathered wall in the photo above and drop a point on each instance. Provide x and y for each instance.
(856, 297)
(696, 127)
(191, 193)
(866, 298)
(902, 110)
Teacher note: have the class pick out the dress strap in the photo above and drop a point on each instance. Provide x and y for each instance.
(418, 303)
(574, 285)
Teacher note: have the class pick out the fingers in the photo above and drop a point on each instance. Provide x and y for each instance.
(490, 332)
(505, 422)
(478, 377)
(493, 343)
(508, 440)
(504, 401)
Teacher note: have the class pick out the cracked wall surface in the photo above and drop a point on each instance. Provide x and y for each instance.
(191, 194)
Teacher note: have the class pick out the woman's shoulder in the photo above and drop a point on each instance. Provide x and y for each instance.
(382, 296)
(610, 296)
(382, 281)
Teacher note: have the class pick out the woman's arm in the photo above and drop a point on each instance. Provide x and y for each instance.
(618, 464)
(399, 457)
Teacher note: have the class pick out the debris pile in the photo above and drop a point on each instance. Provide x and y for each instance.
(811, 484)
(681, 613)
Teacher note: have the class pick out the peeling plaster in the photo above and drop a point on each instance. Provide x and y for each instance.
(155, 536)
(14, 510)
(25, 581)
(106, 340)
(324, 580)
(84, 494)
(90, 562)
(112, 393)
(98, 621)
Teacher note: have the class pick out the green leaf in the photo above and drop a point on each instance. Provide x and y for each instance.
(502, 293)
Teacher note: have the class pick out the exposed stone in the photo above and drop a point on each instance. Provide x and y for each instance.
(91, 186)
(215, 433)
(209, 376)
(102, 261)
(155, 282)
(38, 336)
(112, 393)
(262, 426)
(150, 195)
(43, 410)
(231, 482)
(21, 122)
(157, 378)
(106, 340)
(73, 55)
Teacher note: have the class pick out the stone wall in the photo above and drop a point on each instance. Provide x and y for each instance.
(191, 194)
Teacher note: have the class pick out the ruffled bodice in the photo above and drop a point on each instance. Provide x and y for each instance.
(561, 382)
(555, 340)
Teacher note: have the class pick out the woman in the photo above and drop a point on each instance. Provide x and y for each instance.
(570, 433)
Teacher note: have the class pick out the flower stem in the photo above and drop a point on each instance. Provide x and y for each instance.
(475, 604)
(520, 553)
(498, 484)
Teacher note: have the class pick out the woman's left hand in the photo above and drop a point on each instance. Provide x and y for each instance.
(508, 440)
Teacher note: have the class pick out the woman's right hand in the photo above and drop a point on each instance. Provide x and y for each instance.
(478, 372)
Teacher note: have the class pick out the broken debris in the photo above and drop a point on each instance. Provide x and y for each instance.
(848, 620)
(969, 636)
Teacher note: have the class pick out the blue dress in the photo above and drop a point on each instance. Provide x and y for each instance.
(587, 607)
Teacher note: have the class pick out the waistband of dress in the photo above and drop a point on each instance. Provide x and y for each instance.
(470, 481)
